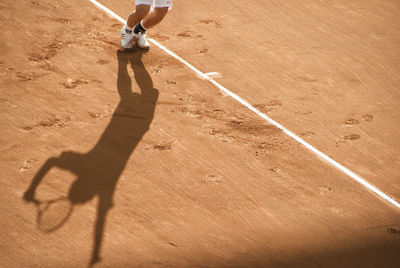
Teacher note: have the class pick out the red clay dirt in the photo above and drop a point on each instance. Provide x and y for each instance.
(143, 164)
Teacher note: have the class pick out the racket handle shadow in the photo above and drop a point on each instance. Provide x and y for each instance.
(29, 198)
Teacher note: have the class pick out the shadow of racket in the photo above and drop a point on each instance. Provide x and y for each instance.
(53, 214)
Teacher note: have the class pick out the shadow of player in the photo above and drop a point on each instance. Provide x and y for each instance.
(98, 170)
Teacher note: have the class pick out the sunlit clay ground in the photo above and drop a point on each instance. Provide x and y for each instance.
(112, 158)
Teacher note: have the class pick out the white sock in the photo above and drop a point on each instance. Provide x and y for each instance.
(141, 23)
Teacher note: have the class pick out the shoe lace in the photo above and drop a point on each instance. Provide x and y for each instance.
(140, 34)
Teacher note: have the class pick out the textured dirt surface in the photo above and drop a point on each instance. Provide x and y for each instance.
(134, 161)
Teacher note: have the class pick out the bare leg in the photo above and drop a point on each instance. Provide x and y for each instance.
(137, 15)
(154, 17)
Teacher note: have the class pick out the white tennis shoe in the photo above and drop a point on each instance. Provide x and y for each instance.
(126, 38)
(141, 41)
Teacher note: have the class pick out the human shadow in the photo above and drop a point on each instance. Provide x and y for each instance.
(97, 171)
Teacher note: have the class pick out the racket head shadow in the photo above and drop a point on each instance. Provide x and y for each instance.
(53, 214)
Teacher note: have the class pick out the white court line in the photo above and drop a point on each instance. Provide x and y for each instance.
(206, 76)
(211, 73)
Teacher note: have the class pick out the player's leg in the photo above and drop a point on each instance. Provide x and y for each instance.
(161, 8)
(149, 21)
(142, 9)
(154, 17)
(139, 14)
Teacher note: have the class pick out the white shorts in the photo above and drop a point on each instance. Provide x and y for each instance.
(155, 3)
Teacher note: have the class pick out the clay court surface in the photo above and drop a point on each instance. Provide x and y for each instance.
(142, 163)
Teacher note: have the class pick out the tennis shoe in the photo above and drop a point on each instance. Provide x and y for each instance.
(141, 41)
(126, 37)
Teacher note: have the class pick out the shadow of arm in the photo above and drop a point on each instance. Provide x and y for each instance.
(29, 194)
(103, 206)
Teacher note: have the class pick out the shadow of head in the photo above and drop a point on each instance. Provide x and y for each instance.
(83, 188)
(81, 192)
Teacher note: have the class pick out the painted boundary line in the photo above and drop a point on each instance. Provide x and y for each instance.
(206, 76)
